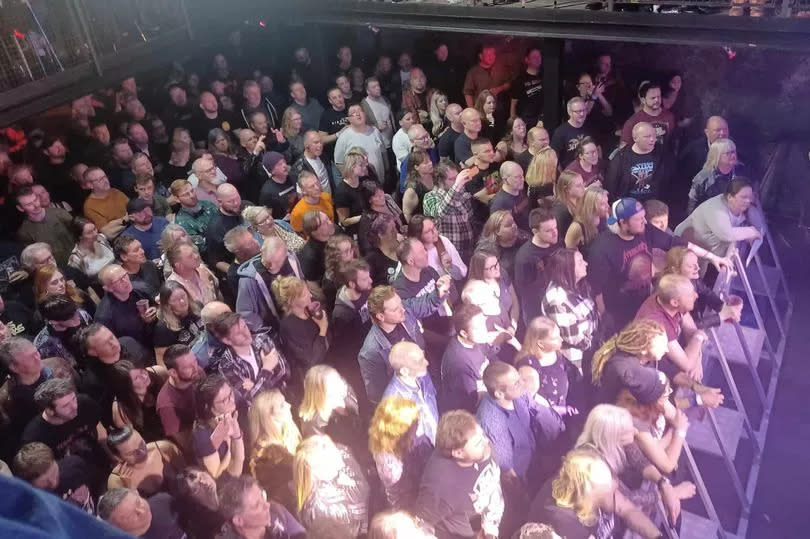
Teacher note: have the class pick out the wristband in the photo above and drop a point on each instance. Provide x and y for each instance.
(681, 433)
(698, 400)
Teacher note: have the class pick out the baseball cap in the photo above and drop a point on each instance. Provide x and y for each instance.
(624, 208)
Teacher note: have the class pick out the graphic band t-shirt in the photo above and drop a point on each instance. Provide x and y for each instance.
(664, 125)
(641, 169)
(528, 90)
(518, 205)
(565, 141)
(331, 122)
(489, 178)
(621, 270)
(452, 497)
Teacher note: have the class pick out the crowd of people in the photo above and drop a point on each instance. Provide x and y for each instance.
(229, 310)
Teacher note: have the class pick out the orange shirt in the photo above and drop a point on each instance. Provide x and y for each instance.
(103, 210)
(302, 206)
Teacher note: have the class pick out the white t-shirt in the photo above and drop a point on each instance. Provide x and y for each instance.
(382, 113)
(320, 171)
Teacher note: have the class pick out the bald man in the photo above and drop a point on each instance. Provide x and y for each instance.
(411, 381)
(471, 124)
(447, 140)
(209, 116)
(670, 305)
(229, 215)
(416, 99)
(641, 170)
(512, 195)
(693, 156)
(205, 341)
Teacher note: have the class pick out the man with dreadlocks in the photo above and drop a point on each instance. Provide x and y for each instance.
(623, 361)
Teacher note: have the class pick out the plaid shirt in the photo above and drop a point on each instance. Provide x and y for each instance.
(576, 316)
(236, 370)
(452, 210)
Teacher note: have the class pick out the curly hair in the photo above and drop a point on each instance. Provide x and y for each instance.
(391, 426)
(332, 260)
(634, 339)
(286, 290)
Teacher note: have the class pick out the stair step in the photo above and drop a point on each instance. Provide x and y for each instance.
(732, 348)
(697, 527)
(701, 435)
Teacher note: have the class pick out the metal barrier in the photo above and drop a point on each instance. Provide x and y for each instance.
(733, 343)
(39, 38)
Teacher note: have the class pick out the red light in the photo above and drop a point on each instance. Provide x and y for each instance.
(19, 35)
(262, 24)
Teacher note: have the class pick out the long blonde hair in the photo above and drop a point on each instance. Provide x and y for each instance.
(634, 339)
(436, 117)
(583, 470)
(315, 388)
(543, 168)
(389, 428)
(266, 430)
(286, 123)
(603, 430)
(588, 212)
(309, 451)
(716, 149)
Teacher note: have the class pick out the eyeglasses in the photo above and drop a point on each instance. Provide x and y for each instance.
(497, 264)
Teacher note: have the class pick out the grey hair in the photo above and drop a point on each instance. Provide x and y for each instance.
(232, 237)
(12, 347)
(28, 255)
(110, 500)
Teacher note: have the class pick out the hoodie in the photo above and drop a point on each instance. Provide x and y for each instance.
(254, 300)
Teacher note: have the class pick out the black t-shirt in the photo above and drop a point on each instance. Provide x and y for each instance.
(489, 178)
(451, 496)
(621, 270)
(20, 319)
(190, 327)
(447, 143)
(149, 278)
(79, 483)
(563, 217)
(164, 518)
(528, 90)
(346, 196)
(75, 437)
(382, 267)
(398, 334)
(279, 197)
(21, 403)
(565, 140)
(517, 204)
(635, 175)
(200, 125)
(331, 122)
(462, 148)
(312, 258)
(530, 280)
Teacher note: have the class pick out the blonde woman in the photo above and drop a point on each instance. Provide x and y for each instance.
(501, 234)
(347, 197)
(274, 439)
(399, 448)
(720, 168)
(610, 431)
(589, 219)
(582, 500)
(261, 223)
(541, 351)
(438, 118)
(304, 324)
(329, 407)
(418, 182)
(291, 128)
(330, 484)
(542, 172)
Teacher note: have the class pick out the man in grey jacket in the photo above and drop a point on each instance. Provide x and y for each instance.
(254, 299)
(393, 321)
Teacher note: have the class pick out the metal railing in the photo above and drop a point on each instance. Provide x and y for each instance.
(753, 8)
(42, 38)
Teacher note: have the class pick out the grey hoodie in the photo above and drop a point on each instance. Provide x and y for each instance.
(254, 301)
